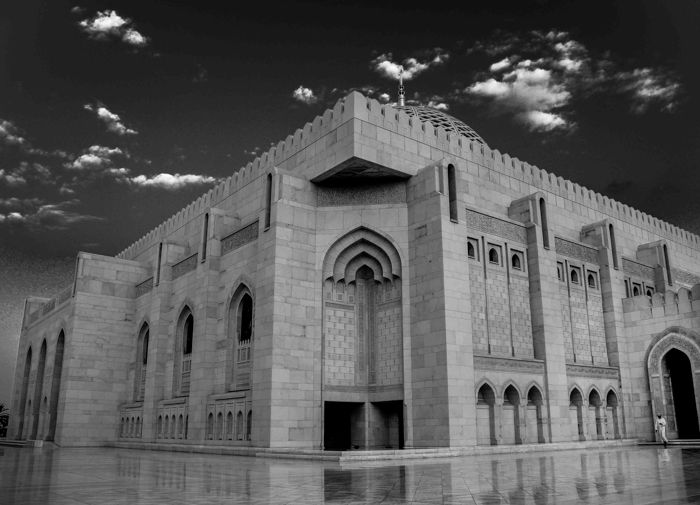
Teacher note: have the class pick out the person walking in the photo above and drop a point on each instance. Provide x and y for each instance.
(661, 428)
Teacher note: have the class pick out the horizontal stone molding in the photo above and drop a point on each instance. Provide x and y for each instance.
(636, 269)
(503, 364)
(364, 389)
(576, 250)
(144, 287)
(184, 266)
(495, 226)
(239, 238)
(599, 372)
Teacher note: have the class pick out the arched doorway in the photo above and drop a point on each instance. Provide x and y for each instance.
(681, 410)
(673, 360)
(576, 415)
(485, 416)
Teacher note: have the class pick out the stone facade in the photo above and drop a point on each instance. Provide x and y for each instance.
(373, 282)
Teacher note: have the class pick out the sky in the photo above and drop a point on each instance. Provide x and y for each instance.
(114, 115)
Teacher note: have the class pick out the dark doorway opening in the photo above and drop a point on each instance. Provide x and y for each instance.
(681, 374)
(342, 423)
(387, 425)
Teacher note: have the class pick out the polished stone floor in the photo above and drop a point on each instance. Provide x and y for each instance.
(634, 475)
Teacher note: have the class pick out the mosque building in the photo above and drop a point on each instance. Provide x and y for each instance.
(382, 278)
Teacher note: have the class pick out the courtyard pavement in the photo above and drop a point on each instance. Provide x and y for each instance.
(630, 475)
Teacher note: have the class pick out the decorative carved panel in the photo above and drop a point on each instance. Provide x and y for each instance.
(186, 265)
(575, 250)
(508, 364)
(636, 269)
(493, 225)
(144, 287)
(685, 277)
(598, 372)
(365, 194)
(240, 238)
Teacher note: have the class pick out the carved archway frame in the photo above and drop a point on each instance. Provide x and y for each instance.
(684, 340)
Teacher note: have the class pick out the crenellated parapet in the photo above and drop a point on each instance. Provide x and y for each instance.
(670, 303)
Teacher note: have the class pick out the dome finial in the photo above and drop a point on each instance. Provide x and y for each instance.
(402, 100)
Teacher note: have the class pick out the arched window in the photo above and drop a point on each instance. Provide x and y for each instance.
(210, 426)
(574, 276)
(159, 432)
(141, 363)
(248, 425)
(635, 291)
(650, 292)
(185, 340)
(187, 423)
(166, 430)
(229, 425)
(241, 326)
(471, 251)
(576, 415)
(205, 236)
(493, 256)
(239, 425)
(180, 427)
(515, 262)
(219, 426)
(560, 272)
(591, 281)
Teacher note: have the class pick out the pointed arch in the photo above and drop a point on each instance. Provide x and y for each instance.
(24, 393)
(184, 342)
(240, 324)
(374, 243)
(141, 364)
(576, 413)
(38, 389)
(486, 413)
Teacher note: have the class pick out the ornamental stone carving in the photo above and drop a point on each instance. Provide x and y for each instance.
(240, 238)
(575, 250)
(636, 269)
(504, 229)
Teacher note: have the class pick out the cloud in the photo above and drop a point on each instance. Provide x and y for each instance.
(56, 216)
(113, 121)
(412, 66)
(24, 172)
(96, 158)
(650, 87)
(106, 25)
(171, 181)
(536, 77)
(10, 134)
(304, 95)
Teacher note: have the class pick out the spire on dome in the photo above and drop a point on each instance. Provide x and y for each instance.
(402, 100)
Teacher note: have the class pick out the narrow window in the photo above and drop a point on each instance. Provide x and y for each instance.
(249, 425)
(493, 256)
(545, 227)
(636, 290)
(187, 329)
(560, 272)
(452, 189)
(613, 245)
(239, 425)
(627, 288)
(158, 262)
(188, 333)
(268, 200)
(205, 237)
(649, 292)
(471, 252)
(245, 327)
(668, 266)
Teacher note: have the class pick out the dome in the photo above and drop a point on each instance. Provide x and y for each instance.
(439, 118)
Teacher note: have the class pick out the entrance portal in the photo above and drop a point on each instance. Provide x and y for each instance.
(343, 422)
(678, 376)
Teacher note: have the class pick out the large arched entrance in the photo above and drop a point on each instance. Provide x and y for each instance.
(673, 359)
(680, 403)
(362, 343)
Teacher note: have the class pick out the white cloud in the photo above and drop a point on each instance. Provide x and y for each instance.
(113, 121)
(171, 181)
(109, 25)
(56, 216)
(96, 158)
(539, 74)
(438, 105)
(649, 87)
(26, 171)
(384, 97)
(11, 179)
(9, 133)
(500, 65)
(412, 66)
(304, 95)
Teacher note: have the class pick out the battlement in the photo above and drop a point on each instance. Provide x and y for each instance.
(663, 304)
(438, 141)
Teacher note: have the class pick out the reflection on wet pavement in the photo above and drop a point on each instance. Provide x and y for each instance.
(637, 475)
